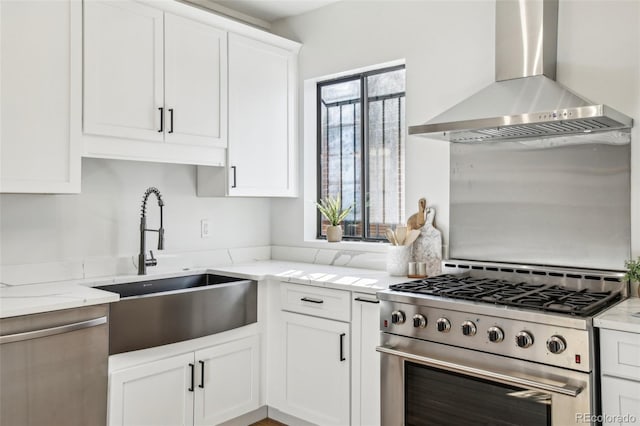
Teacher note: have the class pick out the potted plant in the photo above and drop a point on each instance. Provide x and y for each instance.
(633, 272)
(331, 209)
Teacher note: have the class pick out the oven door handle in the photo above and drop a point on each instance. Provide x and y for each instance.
(565, 389)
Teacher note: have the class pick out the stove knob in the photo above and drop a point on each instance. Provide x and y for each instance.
(556, 344)
(469, 328)
(524, 339)
(419, 321)
(443, 325)
(398, 317)
(496, 335)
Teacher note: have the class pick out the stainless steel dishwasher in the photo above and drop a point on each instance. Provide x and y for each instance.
(53, 368)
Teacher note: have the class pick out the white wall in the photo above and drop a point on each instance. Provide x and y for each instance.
(104, 219)
(599, 58)
(449, 51)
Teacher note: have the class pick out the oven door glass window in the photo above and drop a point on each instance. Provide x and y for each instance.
(440, 398)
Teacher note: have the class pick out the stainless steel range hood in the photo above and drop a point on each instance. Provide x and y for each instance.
(525, 101)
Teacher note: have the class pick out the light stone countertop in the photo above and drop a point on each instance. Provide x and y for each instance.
(620, 317)
(43, 297)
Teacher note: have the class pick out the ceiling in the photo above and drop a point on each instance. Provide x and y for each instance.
(272, 10)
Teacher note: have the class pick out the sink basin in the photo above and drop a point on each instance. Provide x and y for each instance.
(168, 310)
(164, 285)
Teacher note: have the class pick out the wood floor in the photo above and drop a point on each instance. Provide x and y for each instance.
(268, 422)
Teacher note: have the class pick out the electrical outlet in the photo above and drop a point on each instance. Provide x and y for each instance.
(205, 228)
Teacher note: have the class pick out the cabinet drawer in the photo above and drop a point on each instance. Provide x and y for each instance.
(620, 354)
(321, 302)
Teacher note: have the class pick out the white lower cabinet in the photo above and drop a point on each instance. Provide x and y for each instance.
(316, 375)
(320, 366)
(323, 364)
(620, 401)
(365, 364)
(229, 381)
(204, 387)
(156, 393)
(309, 353)
(620, 365)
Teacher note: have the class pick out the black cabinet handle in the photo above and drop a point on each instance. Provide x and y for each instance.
(161, 120)
(170, 120)
(312, 300)
(360, 299)
(342, 358)
(201, 385)
(234, 176)
(192, 366)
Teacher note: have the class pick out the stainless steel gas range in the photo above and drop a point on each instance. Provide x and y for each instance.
(493, 344)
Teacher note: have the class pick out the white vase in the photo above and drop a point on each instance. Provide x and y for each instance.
(334, 233)
(398, 258)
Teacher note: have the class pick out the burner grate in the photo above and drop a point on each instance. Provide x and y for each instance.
(558, 299)
(544, 297)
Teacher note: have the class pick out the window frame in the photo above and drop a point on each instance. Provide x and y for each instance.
(364, 143)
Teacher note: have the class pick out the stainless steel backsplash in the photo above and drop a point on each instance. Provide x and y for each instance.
(561, 201)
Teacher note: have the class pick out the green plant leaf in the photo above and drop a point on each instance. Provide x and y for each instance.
(331, 208)
(633, 270)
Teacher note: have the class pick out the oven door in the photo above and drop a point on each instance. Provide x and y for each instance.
(426, 383)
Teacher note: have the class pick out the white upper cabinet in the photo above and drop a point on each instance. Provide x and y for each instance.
(123, 70)
(148, 80)
(40, 76)
(195, 82)
(155, 83)
(261, 154)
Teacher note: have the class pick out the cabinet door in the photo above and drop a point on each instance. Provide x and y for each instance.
(227, 383)
(620, 400)
(317, 358)
(261, 118)
(365, 394)
(41, 48)
(620, 354)
(156, 393)
(195, 82)
(123, 70)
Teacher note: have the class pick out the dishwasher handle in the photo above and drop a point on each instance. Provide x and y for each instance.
(67, 328)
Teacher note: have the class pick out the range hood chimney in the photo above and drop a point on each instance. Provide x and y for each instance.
(525, 101)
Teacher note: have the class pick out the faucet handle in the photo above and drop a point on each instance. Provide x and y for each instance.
(152, 261)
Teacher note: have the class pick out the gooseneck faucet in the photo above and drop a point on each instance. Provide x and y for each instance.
(143, 262)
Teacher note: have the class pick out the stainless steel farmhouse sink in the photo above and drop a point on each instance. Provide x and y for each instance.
(168, 310)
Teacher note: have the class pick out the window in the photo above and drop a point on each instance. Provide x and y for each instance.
(361, 145)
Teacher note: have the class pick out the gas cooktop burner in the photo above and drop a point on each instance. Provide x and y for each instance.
(544, 297)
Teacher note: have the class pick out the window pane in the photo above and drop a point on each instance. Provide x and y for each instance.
(386, 151)
(340, 152)
(341, 92)
(386, 83)
(341, 161)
